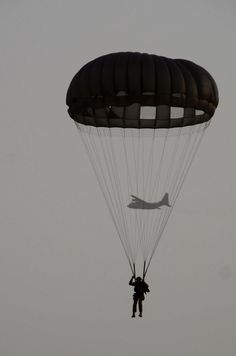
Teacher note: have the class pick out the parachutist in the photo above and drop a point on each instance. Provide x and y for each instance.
(140, 289)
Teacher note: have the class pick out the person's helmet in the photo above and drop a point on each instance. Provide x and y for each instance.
(138, 279)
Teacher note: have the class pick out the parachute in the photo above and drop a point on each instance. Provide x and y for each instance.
(141, 118)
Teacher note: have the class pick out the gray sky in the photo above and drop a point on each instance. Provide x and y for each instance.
(63, 279)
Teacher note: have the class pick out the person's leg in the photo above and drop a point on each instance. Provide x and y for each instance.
(134, 306)
(140, 306)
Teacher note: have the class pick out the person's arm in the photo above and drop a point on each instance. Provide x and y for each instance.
(131, 283)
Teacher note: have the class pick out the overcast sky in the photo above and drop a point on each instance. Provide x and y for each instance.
(64, 280)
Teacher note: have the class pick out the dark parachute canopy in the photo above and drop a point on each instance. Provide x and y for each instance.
(109, 91)
(141, 118)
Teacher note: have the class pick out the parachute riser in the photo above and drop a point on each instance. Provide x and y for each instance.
(144, 270)
(133, 269)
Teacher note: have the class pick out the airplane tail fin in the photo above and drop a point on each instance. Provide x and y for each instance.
(165, 200)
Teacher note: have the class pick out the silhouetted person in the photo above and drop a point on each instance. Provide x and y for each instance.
(140, 288)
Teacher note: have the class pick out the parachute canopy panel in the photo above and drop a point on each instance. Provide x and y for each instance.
(139, 90)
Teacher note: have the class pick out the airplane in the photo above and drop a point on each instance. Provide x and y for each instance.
(138, 203)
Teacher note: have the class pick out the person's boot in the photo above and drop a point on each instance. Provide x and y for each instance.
(133, 316)
(140, 314)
